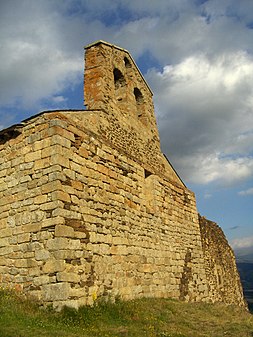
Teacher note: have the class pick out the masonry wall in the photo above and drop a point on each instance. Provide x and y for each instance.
(224, 283)
(30, 162)
(90, 207)
(130, 123)
(80, 220)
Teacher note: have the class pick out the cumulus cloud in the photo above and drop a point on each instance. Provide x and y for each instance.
(249, 191)
(34, 64)
(42, 50)
(58, 99)
(242, 10)
(203, 94)
(246, 242)
(204, 109)
(185, 28)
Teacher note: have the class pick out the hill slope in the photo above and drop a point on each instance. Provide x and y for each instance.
(145, 317)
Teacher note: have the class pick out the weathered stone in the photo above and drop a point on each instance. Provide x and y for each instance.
(40, 280)
(52, 266)
(68, 277)
(4, 242)
(57, 243)
(40, 199)
(42, 254)
(33, 156)
(64, 231)
(89, 206)
(221, 271)
(55, 292)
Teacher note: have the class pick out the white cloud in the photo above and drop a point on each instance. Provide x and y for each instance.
(204, 109)
(237, 10)
(207, 195)
(41, 49)
(208, 168)
(183, 28)
(160, 7)
(34, 64)
(203, 96)
(241, 243)
(58, 99)
(249, 191)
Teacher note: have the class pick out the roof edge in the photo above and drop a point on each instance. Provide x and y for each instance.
(106, 43)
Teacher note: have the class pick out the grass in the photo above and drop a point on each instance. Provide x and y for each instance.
(21, 317)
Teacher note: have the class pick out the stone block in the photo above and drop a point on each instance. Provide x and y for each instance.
(20, 263)
(51, 187)
(41, 280)
(57, 244)
(57, 139)
(64, 231)
(4, 242)
(24, 237)
(68, 277)
(40, 199)
(5, 232)
(42, 255)
(52, 205)
(31, 228)
(55, 292)
(41, 144)
(58, 220)
(33, 156)
(53, 266)
(59, 160)
(60, 195)
(51, 151)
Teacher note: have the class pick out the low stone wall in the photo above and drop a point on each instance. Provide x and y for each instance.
(224, 283)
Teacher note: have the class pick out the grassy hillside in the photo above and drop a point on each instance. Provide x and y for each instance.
(146, 317)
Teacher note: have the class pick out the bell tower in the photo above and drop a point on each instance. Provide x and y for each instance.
(114, 83)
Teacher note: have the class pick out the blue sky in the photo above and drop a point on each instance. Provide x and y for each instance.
(197, 57)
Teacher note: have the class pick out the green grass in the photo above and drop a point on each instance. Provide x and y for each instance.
(20, 317)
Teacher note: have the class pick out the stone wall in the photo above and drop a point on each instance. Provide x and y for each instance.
(80, 219)
(125, 126)
(89, 206)
(224, 283)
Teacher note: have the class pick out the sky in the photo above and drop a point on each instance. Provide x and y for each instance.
(196, 55)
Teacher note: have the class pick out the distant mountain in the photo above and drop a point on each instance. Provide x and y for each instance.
(246, 274)
(244, 261)
(248, 258)
(244, 254)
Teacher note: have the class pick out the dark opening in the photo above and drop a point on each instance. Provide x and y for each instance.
(147, 173)
(119, 79)
(138, 96)
(139, 101)
(6, 135)
(127, 62)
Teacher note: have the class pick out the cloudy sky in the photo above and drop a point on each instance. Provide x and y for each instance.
(197, 56)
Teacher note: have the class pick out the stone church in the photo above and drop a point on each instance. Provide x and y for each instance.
(90, 206)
